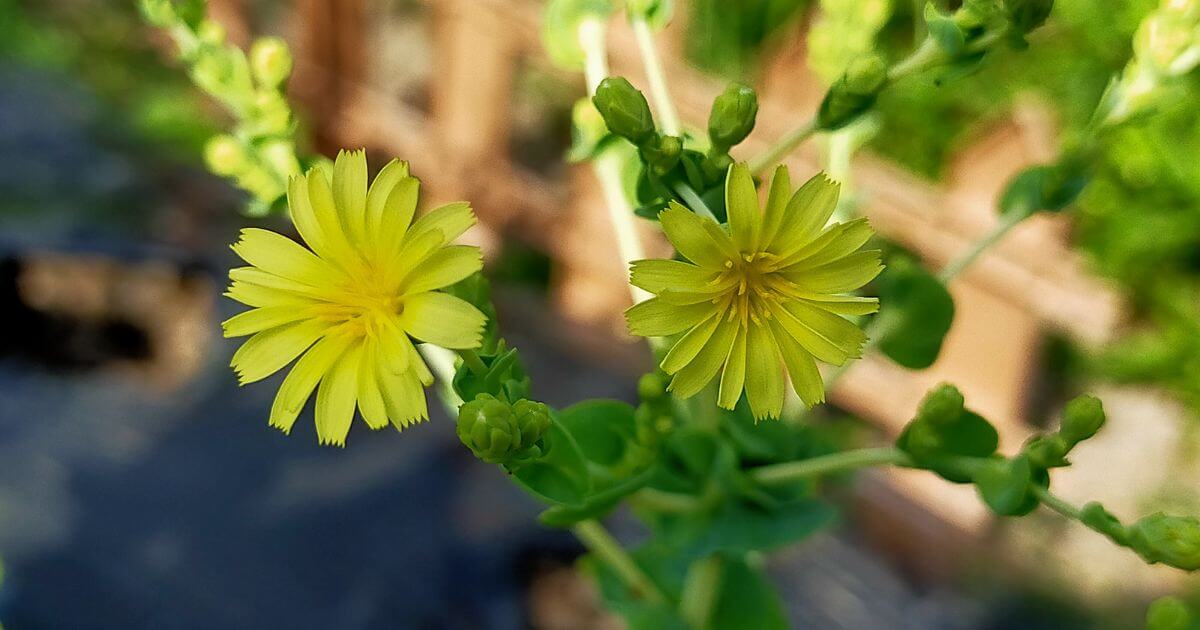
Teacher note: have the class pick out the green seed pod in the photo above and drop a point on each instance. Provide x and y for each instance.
(625, 110)
(732, 116)
(224, 155)
(533, 420)
(1171, 540)
(270, 61)
(489, 428)
(853, 94)
(1082, 418)
(1168, 613)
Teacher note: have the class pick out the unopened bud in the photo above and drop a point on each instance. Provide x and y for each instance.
(1171, 540)
(158, 12)
(853, 94)
(1168, 613)
(661, 153)
(624, 109)
(270, 61)
(1082, 418)
(732, 116)
(533, 420)
(941, 405)
(224, 155)
(652, 386)
(488, 427)
(211, 32)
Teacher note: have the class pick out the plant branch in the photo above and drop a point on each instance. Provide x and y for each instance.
(1055, 503)
(960, 264)
(784, 146)
(778, 474)
(601, 543)
(668, 118)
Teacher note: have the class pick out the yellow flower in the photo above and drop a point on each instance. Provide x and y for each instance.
(760, 296)
(347, 305)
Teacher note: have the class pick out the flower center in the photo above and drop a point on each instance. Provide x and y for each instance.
(754, 284)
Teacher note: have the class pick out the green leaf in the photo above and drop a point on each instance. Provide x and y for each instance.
(597, 505)
(944, 434)
(736, 527)
(918, 312)
(602, 428)
(561, 476)
(1004, 485)
(747, 599)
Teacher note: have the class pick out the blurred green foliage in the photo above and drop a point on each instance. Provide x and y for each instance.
(105, 45)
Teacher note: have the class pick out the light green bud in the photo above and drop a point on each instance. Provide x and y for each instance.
(1171, 540)
(158, 12)
(270, 61)
(533, 420)
(211, 32)
(280, 156)
(853, 94)
(499, 433)
(272, 114)
(1082, 418)
(732, 116)
(1169, 39)
(1168, 613)
(661, 153)
(625, 110)
(224, 155)
(941, 405)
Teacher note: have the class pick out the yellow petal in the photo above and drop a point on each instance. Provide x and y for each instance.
(283, 257)
(733, 376)
(694, 240)
(741, 204)
(443, 268)
(398, 213)
(838, 241)
(777, 200)
(405, 399)
(336, 398)
(256, 276)
(690, 344)
(300, 382)
(378, 195)
(418, 364)
(257, 295)
(840, 276)
(807, 212)
(824, 335)
(328, 216)
(350, 192)
(850, 305)
(764, 374)
(393, 349)
(260, 319)
(269, 351)
(303, 216)
(704, 367)
(657, 275)
(451, 219)
(412, 253)
(656, 318)
(370, 399)
(806, 378)
(443, 320)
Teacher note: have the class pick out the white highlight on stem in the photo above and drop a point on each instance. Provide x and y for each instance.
(667, 117)
(606, 165)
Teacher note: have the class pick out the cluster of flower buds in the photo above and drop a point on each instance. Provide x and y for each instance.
(502, 433)
(1082, 418)
(1158, 538)
(1166, 46)
(667, 163)
(653, 417)
(259, 153)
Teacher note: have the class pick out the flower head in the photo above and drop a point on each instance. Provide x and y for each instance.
(348, 306)
(763, 294)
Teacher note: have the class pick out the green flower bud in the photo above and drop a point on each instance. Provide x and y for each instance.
(224, 155)
(1048, 451)
(533, 420)
(280, 156)
(489, 428)
(625, 110)
(853, 94)
(1171, 540)
(211, 32)
(158, 12)
(1026, 15)
(270, 61)
(1082, 418)
(661, 153)
(941, 405)
(652, 386)
(732, 116)
(271, 113)
(1168, 613)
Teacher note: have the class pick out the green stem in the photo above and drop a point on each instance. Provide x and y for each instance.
(700, 588)
(833, 463)
(694, 201)
(657, 78)
(1007, 222)
(925, 56)
(783, 147)
(662, 501)
(1054, 503)
(600, 543)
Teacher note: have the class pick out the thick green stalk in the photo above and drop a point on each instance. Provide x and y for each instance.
(606, 548)
(778, 474)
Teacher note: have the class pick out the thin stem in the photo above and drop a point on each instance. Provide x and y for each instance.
(925, 56)
(694, 201)
(607, 166)
(836, 462)
(1054, 503)
(783, 147)
(667, 118)
(700, 588)
(473, 362)
(601, 543)
(960, 264)
(662, 501)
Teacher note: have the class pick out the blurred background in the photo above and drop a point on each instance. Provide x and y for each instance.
(141, 488)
